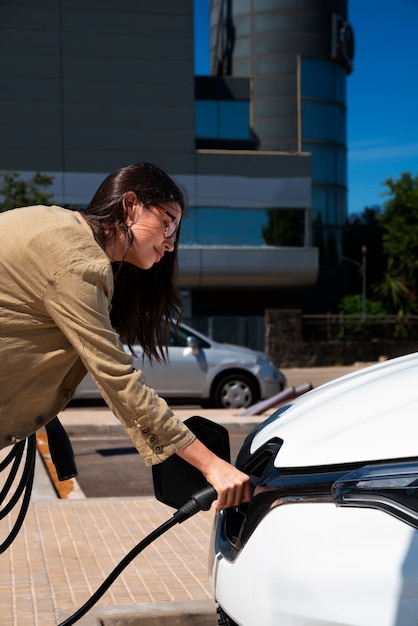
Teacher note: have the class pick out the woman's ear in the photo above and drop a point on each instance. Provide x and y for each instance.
(131, 204)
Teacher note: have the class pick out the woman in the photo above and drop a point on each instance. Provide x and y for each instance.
(70, 283)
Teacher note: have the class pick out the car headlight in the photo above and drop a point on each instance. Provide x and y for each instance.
(266, 360)
(389, 486)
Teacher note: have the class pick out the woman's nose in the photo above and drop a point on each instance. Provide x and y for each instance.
(169, 244)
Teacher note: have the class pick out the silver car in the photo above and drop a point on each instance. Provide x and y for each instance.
(213, 374)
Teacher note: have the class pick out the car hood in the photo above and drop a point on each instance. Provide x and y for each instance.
(242, 350)
(368, 415)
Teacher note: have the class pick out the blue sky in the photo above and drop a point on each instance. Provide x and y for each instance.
(382, 94)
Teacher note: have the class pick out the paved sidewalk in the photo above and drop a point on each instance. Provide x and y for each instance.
(66, 548)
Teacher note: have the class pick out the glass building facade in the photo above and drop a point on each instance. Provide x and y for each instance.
(323, 93)
(298, 55)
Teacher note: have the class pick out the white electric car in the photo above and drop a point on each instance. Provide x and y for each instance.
(331, 535)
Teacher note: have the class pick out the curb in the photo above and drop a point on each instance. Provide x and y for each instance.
(193, 613)
(101, 422)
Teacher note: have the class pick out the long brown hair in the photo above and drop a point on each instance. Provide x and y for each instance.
(144, 302)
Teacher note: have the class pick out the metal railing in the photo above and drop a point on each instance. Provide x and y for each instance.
(249, 331)
(340, 326)
(245, 331)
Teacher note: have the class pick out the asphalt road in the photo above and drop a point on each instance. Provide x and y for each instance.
(111, 467)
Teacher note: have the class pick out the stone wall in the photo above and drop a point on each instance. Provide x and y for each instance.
(284, 342)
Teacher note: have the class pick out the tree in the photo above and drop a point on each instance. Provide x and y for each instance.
(353, 305)
(363, 231)
(399, 221)
(17, 193)
(285, 227)
(392, 290)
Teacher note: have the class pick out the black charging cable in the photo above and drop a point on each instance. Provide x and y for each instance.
(199, 501)
(62, 456)
(24, 485)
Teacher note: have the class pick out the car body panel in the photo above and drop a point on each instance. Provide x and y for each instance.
(351, 418)
(191, 369)
(307, 576)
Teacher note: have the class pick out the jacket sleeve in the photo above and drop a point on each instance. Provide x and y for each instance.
(78, 300)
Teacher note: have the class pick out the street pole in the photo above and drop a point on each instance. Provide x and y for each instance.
(363, 281)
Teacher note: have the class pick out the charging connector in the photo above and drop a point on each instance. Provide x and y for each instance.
(200, 501)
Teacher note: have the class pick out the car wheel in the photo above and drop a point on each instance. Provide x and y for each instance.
(223, 619)
(235, 391)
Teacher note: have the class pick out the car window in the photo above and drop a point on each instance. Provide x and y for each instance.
(178, 338)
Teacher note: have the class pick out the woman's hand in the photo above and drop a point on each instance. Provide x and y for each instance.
(232, 486)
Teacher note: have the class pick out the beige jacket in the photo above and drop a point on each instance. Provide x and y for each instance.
(56, 286)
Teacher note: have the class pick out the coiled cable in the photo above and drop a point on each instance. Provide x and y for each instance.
(24, 486)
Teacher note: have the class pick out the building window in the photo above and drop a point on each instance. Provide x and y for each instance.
(323, 79)
(323, 120)
(222, 120)
(243, 227)
(329, 164)
(223, 113)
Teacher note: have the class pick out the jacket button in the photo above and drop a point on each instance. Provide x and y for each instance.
(158, 449)
(39, 420)
(153, 439)
(145, 431)
(11, 439)
(67, 394)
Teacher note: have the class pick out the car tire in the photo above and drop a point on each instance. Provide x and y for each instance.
(235, 390)
(223, 619)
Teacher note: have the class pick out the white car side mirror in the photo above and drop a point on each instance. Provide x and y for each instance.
(193, 344)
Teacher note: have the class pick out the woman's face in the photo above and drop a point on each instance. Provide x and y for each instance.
(153, 232)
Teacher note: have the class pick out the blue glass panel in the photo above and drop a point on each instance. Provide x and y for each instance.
(323, 79)
(216, 226)
(331, 203)
(341, 203)
(234, 120)
(206, 119)
(323, 120)
(340, 84)
(319, 203)
(341, 173)
(222, 119)
(329, 163)
(317, 80)
(323, 161)
(241, 227)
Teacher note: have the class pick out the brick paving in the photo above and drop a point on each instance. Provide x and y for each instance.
(67, 548)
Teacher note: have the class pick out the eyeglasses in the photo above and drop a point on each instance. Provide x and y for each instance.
(169, 230)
